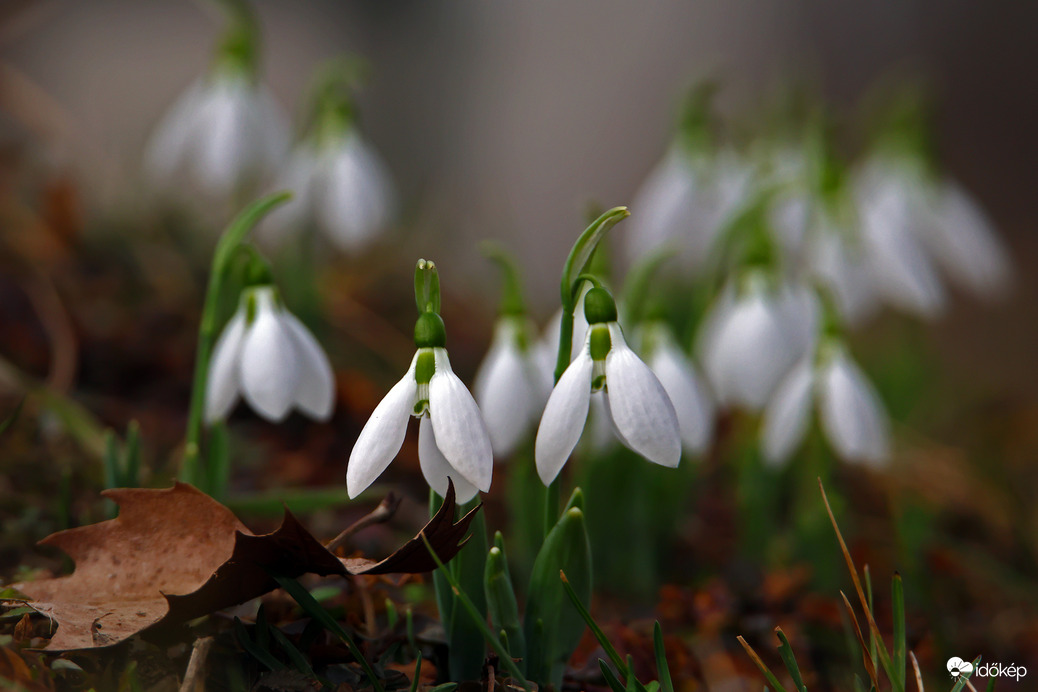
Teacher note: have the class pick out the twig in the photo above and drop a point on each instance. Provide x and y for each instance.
(384, 512)
(196, 665)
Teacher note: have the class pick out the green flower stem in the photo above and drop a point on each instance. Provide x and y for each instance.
(576, 263)
(226, 248)
(511, 291)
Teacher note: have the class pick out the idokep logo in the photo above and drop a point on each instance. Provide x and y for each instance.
(958, 667)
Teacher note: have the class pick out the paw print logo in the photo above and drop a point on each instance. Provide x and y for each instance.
(957, 667)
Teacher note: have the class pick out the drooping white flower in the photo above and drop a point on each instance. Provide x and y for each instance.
(692, 402)
(838, 262)
(225, 130)
(642, 414)
(891, 209)
(452, 437)
(664, 207)
(341, 186)
(851, 415)
(267, 356)
(962, 238)
(511, 386)
(746, 345)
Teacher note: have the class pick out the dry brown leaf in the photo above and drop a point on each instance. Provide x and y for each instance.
(175, 554)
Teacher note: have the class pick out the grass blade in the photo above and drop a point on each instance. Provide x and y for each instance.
(607, 645)
(662, 668)
(301, 596)
(417, 672)
(786, 652)
(881, 648)
(963, 680)
(769, 676)
(900, 648)
(257, 652)
(918, 673)
(866, 655)
(610, 677)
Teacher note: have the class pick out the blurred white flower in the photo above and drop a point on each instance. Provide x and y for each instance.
(641, 412)
(341, 186)
(838, 262)
(891, 208)
(745, 344)
(511, 387)
(452, 438)
(223, 132)
(963, 240)
(692, 402)
(852, 417)
(266, 355)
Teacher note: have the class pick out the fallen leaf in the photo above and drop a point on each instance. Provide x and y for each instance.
(176, 554)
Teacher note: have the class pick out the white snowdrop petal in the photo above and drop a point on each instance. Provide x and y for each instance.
(358, 198)
(169, 143)
(964, 240)
(852, 416)
(269, 366)
(903, 273)
(299, 177)
(664, 206)
(222, 382)
(692, 404)
(639, 405)
(223, 150)
(788, 414)
(842, 268)
(315, 391)
(437, 469)
(564, 417)
(380, 439)
(747, 353)
(505, 389)
(460, 432)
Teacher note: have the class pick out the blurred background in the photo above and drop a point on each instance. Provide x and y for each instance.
(506, 120)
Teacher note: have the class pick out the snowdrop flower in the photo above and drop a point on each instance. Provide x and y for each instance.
(745, 345)
(665, 205)
(511, 385)
(891, 210)
(850, 411)
(266, 355)
(837, 261)
(642, 414)
(342, 187)
(963, 239)
(226, 130)
(452, 437)
(692, 402)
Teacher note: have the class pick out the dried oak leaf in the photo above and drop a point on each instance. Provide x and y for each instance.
(175, 554)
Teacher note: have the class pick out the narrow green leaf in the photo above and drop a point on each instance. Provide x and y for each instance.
(596, 630)
(899, 654)
(960, 682)
(218, 462)
(610, 677)
(294, 654)
(768, 675)
(501, 601)
(445, 687)
(301, 596)
(565, 548)
(488, 635)
(584, 248)
(790, 660)
(258, 653)
(417, 673)
(662, 668)
(466, 646)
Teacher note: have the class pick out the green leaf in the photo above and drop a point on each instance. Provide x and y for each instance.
(610, 677)
(899, 655)
(257, 652)
(962, 679)
(501, 601)
(566, 548)
(786, 652)
(584, 248)
(662, 668)
(467, 649)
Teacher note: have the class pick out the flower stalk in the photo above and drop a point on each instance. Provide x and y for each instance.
(191, 470)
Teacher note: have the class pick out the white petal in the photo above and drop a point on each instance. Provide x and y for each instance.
(169, 143)
(964, 240)
(358, 198)
(663, 209)
(748, 352)
(641, 410)
(382, 435)
(315, 392)
(507, 389)
(298, 176)
(269, 366)
(890, 218)
(224, 148)
(852, 415)
(564, 417)
(841, 267)
(692, 403)
(788, 413)
(460, 432)
(222, 382)
(436, 468)
(799, 313)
